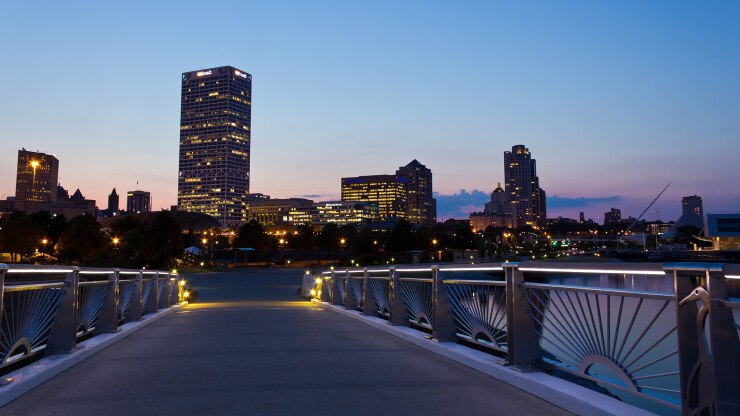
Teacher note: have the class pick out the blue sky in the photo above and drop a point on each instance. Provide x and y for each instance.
(614, 99)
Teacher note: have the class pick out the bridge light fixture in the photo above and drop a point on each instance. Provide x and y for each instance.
(182, 282)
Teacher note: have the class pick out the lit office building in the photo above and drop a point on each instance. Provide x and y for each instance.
(422, 207)
(389, 192)
(527, 200)
(36, 181)
(138, 202)
(215, 134)
(343, 213)
(293, 211)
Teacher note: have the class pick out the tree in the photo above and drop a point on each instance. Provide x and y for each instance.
(303, 239)
(328, 238)
(253, 235)
(402, 238)
(161, 241)
(20, 234)
(82, 240)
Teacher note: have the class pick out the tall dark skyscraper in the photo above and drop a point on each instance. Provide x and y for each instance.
(526, 198)
(36, 181)
(113, 201)
(692, 205)
(422, 207)
(138, 202)
(215, 135)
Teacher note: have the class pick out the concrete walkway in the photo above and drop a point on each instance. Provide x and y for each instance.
(251, 346)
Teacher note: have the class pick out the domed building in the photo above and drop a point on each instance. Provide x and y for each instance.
(495, 213)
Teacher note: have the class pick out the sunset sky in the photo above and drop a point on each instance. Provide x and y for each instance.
(614, 100)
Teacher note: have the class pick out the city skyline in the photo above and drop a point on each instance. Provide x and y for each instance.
(615, 101)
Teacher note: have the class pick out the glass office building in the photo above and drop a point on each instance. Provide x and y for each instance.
(215, 133)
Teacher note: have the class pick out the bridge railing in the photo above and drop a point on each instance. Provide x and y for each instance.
(48, 309)
(660, 336)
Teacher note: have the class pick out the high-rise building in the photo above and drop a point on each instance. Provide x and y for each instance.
(138, 202)
(526, 198)
(36, 181)
(267, 211)
(113, 201)
(389, 192)
(422, 207)
(614, 216)
(581, 217)
(692, 205)
(215, 135)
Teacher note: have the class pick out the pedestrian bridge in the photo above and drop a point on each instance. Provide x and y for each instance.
(662, 337)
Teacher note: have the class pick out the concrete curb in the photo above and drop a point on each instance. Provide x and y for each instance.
(561, 393)
(27, 378)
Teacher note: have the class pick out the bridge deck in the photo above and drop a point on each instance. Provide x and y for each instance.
(250, 345)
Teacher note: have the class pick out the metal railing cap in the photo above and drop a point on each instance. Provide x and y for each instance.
(33, 268)
(694, 267)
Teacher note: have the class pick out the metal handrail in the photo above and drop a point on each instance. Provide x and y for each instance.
(474, 282)
(53, 306)
(535, 321)
(33, 286)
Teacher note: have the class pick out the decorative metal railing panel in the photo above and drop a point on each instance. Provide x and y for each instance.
(146, 292)
(379, 290)
(90, 299)
(665, 337)
(417, 298)
(339, 289)
(479, 310)
(48, 309)
(161, 291)
(126, 290)
(355, 292)
(28, 314)
(621, 340)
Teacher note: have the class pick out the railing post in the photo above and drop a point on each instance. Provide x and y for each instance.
(523, 349)
(3, 269)
(321, 287)
(369, 306)
(347, 287)
(63, 334)
(152, 302)
(397, 310)
(709, 368)
(443, 325)
(725, 346)
(135, 309)
(172, 294)
(109, 313)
